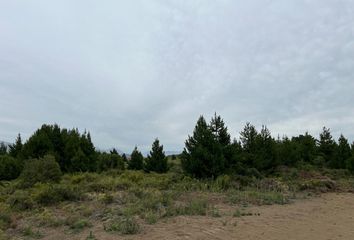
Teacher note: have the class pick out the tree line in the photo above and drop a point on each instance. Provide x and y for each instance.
(74, 152)
(208, 153)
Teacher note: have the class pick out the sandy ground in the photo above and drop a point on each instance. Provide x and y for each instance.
(328, 217)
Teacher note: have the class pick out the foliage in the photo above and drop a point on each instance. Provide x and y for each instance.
(41, 170)
(51, 194)
(72, 150)
(108, 161)
(136, 160)
(327, 148)
(15, 150)
(203, 154)
(126, 226)
(156, 161)
(10, 168)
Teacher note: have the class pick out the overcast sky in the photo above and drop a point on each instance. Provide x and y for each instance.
(130, 71)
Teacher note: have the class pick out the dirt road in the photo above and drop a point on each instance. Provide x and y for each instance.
(329, 217)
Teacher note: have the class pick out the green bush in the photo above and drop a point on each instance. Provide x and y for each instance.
(5, 217)
(124, 226)
(51, 194)
(108, 161)
(20, 200)
(41, 170)
(10, 168)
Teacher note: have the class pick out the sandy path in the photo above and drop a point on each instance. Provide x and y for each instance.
(329, 217)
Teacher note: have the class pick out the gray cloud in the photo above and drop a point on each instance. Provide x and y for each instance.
(130, 71)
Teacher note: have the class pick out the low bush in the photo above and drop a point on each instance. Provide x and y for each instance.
(50, 194)
(126, 225)
(198, 207)
(256, 197)
(20, 200)
(41, 170)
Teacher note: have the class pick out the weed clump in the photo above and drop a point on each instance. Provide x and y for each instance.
(20, 200)
(126, 226)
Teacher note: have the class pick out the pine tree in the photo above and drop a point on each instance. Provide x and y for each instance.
(265, 150)
(248, 139)
(136, 160)
(125, 159)
(343, 152)
(230, 151)
(288, 152)
(16, 149)
(306, 147)
(219, 130)
(156, 161)
(202, 156)
(327, 148)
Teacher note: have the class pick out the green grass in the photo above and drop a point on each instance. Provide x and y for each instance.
(126, 201)
(30, 233)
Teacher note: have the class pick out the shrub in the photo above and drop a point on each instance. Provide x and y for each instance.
(48, 218)
(5, 217)
(196, 207)
(136, 160)
(110, 161)
(28, 232)
(10, 168)
(124, 226)
(20, 200)
(156, 161)
(151, 217)
(107, 198)
(51, 194)
(223, 182)
(79, 225)
(41, 170)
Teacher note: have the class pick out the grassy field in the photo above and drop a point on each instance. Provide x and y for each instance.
(125, 202)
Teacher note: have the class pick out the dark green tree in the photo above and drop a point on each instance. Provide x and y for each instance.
(343, 152)
(248, 138)
(265, 151)
(72, 150)
(114, 151)
(108, 161)
(327, 148)
(221, 135)
(136, 160)
(10, 167)
(125, 159)
(203, 156)
(15, 150)
(156, 161)
(219, 130)
(288, 152)
(306, 147)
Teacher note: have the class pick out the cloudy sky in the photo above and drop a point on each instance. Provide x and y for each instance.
(130, 71)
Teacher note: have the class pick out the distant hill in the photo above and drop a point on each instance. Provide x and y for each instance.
(145, 154)
(167, 153)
